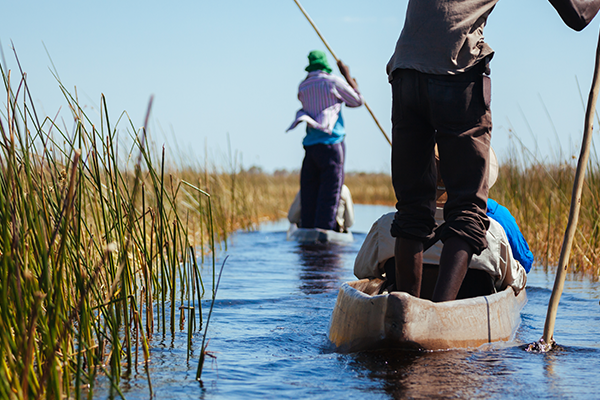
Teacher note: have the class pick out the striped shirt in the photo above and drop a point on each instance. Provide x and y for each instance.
(322, 95)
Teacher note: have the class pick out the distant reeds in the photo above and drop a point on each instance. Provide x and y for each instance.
(539, 196)
(371, 188)
(253, 196)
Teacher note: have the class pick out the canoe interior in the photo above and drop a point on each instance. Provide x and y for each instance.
(476, 282)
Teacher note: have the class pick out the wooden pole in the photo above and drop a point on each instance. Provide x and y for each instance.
(337, 59)
(561, 272)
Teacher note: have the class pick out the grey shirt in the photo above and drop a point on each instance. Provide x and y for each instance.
(443, 37)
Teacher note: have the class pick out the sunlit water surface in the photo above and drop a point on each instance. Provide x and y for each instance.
(269, 326)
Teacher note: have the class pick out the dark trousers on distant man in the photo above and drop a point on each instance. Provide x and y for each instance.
(321, 181)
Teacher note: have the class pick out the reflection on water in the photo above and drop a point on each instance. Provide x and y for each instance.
(493, 371)
(455, 374)
(269, 328)
(321, 266)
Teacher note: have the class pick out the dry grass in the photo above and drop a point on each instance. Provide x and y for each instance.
(245, 198)
(538, 196)
(371, 188)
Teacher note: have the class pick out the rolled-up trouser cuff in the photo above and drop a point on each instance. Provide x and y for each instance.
(412, 229)
(469, 230)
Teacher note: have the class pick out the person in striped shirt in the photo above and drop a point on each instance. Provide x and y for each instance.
(322, 95)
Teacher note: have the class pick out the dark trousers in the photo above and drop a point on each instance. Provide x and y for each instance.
(452, 111)
(321, 181)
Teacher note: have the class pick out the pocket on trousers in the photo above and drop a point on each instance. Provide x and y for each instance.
(455, 102)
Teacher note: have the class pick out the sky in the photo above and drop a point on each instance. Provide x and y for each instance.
(224, 74)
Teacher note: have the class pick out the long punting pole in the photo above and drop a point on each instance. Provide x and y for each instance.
(561, 272)
(337, 59)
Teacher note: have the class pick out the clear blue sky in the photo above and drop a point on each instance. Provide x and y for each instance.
(227, 71)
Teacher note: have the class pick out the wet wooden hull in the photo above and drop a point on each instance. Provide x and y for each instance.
(362, 321)
(316, 235)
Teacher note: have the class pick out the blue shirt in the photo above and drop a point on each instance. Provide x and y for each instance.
(315, 136)
(518, 244)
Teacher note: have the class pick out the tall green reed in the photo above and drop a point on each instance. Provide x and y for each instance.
(93, 249)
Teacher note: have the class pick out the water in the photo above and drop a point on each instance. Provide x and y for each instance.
(269, 335)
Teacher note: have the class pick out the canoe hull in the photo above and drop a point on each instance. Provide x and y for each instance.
(316, 235)
(361, 321)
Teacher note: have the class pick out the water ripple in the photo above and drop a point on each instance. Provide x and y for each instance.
(269, 335)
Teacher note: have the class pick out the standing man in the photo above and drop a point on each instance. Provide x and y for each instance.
(322, 176)
(441, 90)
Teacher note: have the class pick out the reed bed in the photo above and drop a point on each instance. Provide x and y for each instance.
(371, 188)
(539, 196)
(100, 249)
(244, 198)
(255, 196)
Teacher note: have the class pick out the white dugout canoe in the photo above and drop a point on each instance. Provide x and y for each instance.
(364, 320)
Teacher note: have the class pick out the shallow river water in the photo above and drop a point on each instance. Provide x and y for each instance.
(268, 332)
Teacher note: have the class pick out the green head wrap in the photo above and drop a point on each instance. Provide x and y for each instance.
(317, 60)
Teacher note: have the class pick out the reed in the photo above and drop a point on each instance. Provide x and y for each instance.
(538, 195)
(260, 196)
(371, 188)
(97, 249)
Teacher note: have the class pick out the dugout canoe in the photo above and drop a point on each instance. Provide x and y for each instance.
(363, 319)
(317, 235)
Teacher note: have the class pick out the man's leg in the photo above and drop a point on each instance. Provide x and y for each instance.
(409, 265)
(309, 189)
(331, 166)
(414, 177)
(462, 118)
(454, 262)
